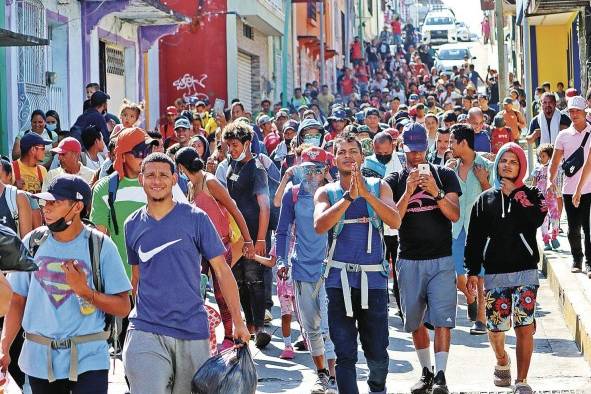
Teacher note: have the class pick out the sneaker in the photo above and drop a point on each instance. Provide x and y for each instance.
(555, 243)
(262, 339)
(301, 345)
(502, 374)
(576, 267)
(425, 383)
(479, 328)
(439, 384)
(287, 353)
(522, 388)
(332, 386)
(321, 384)
(473, 310)
(268, 317)
(547, 246)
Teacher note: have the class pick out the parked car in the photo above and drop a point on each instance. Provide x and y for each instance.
(439, 27)
(450, 55)
(463, 31)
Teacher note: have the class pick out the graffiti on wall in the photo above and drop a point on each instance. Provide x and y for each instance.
(190, 86)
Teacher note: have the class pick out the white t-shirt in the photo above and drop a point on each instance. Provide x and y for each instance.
(93, 165)
(84, 173)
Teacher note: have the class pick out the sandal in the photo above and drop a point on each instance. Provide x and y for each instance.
(502, 374)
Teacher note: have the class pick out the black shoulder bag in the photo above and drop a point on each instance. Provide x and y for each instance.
(575, 161)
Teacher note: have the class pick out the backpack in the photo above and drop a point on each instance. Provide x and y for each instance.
(111, 197)
(10, 194)
(95, 243)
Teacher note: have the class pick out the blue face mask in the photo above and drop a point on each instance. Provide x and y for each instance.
(51, 126)
(313, 139)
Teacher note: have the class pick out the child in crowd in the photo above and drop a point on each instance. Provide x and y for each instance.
(130, 115)
(286, 296)
(500, 134)
(552, 220)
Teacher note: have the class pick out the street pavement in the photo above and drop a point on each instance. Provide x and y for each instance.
(557, 364)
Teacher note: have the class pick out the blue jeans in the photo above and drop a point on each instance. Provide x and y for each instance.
(372, 326)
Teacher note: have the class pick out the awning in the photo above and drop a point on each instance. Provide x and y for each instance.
(149, 12)
(544, 7)
(10, 38)
(309, 41)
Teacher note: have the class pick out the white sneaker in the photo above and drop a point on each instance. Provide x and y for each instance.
(332, 386)
(268, 316)
(321, 384)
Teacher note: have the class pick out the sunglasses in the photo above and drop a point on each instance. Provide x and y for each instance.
(309, 170)
(142, 151)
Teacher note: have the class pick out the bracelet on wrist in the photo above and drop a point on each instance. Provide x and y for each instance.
(261, 240)
(248, 242)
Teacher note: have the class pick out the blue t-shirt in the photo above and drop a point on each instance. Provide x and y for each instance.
(168, 252)
(53, 310)
(482, 142)
(351, 247)
(310, 248)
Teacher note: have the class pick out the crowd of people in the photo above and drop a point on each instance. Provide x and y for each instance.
(403, 174)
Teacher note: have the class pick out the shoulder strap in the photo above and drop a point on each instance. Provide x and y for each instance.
(374, 188)
(111, 197)
(16, 170)
(95, 244)
(585, 139)
(335, 193)
(37, 237)
(39, 174)
(10, 196)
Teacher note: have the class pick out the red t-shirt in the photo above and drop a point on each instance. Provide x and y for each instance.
(347, 85)
(356, 51)
(396, 27)
(499, 137)
(362, 74)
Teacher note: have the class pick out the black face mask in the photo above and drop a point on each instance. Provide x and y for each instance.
(384, 159)
(288, 142)
(60, 225)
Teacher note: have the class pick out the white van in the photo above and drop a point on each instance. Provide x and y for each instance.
(439, 27)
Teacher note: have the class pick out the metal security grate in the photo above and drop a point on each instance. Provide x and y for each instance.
(115, 60)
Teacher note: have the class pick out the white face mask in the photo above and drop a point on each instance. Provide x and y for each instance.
(313, 140)
(243, 154)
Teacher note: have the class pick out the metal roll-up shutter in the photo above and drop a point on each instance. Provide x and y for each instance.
(245, 80)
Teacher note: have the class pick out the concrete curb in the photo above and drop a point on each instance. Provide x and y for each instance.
(576, 308)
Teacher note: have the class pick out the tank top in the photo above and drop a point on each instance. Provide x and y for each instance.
(5, 213)
(216, 212)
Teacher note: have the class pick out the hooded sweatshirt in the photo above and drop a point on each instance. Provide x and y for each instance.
(502, 231)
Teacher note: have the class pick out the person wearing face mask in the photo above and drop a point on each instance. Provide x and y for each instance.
(38, 127)
(247, 184)
(75, 313)
(283, 156)
(310, 132)
(94, 115)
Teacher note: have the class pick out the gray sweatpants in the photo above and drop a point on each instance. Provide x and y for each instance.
(313, 312)
(159, 364)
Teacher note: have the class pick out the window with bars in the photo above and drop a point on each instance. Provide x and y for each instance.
(115, 60)
(248, 31)
(312, 9)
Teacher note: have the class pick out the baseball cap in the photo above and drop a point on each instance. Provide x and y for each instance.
(126, 141)
(577, 102)
(67, 187)
(263, 119)
(31, 139)
(338, 114)
(372, 111)
(98, 98)
(171, 110)
(414, 138)
(302, 108)
(309, 123)
(413, 96)
(182, 122)
(68, 144)
(290, 124)
(313, 156)
(507, 100)
(281, 114)
(199, 104)
(571, 92)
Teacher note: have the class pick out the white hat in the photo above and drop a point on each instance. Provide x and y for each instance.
(577, 102)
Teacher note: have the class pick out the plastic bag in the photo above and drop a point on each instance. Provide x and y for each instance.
(230, 372)
(14, 256)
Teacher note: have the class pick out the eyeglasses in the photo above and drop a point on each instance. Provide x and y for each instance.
(142, 152)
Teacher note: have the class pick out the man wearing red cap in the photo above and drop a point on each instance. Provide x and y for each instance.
(166, 126)
(68, 153)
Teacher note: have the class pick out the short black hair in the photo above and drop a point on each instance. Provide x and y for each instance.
(5, 165)
(382, 137)
(93, 85)
(158, 157)
(38, 112)
(237, 104)
(154, 134)
(346, 138)
(546, 148)
(463, 132)
(89, 135)
(237, 130)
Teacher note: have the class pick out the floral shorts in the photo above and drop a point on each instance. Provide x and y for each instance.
(504, 303)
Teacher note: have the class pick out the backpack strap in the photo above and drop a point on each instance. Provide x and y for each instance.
(39, 174)
(37, 237)
(16, 170)
(112, 196)
(10, 196)
(95, 244)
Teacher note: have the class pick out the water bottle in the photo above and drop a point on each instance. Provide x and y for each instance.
(86, 308)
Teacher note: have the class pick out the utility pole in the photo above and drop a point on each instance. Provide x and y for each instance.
(347, 34)
(285, 50)
(502, 76)
(322, 46)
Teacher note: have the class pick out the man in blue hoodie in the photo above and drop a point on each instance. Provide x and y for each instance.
(297, 209)
(502, 239)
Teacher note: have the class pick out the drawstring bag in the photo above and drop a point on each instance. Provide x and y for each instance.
(230, 372)
(14, 256)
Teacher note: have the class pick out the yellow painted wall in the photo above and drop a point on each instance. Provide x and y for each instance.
(552, 44)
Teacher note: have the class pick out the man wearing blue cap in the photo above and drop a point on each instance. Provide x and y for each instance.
(338, 120)
(63, 305)
(427, 199)
(95, 115)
